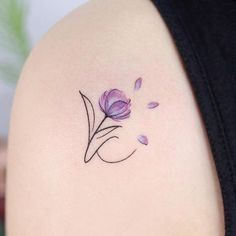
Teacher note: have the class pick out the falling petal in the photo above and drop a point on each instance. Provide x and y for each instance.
(152, 105)
(143, 139)
(138, 84)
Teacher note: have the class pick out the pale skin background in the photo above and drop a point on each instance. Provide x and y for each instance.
(168, 188)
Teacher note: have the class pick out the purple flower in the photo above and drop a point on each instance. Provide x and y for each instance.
(115, 104)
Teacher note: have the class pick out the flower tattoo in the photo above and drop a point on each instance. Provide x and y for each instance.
(116, 106)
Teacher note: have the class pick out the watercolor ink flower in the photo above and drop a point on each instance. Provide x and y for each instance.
(116, 106)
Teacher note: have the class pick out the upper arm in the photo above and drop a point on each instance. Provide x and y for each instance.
(51, 190)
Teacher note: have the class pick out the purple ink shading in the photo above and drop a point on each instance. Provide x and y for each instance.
(143, 139)
(152, 105)
(138, 84)
(115, 104)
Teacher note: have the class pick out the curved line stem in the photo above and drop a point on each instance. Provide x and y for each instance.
(90, 140)
(109, 127)
(114, 162)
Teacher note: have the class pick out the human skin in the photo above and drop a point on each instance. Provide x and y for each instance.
(169, 187)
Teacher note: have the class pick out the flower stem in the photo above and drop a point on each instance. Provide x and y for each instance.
(95, 132)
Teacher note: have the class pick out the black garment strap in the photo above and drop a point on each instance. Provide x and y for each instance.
(204, 32)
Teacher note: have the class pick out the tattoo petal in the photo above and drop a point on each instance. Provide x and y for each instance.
(138, 84)
(152, 105)
(143, 139)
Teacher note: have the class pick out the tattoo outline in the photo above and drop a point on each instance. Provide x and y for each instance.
(116, 106)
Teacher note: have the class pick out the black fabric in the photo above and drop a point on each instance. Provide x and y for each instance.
(205, 35)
